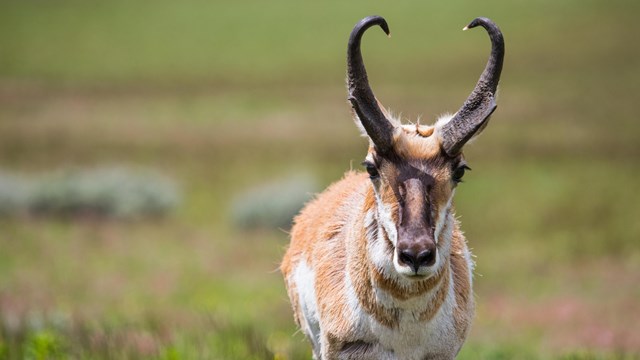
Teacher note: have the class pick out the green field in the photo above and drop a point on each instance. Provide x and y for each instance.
(225, 96)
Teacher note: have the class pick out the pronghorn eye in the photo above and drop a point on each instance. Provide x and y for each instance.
(371, 170)
(458, 173)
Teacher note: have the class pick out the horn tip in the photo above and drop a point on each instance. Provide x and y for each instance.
(475, 22)
(385, 27)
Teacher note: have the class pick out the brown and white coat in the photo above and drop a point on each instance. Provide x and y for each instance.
(378, 267)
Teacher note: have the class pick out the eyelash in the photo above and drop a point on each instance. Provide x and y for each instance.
(371, 170)
(458, 173)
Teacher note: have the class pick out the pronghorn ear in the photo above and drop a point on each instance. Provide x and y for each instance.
(358, 122)
(444, 120)
(384, 110)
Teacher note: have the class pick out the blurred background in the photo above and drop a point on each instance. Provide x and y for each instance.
(152, 155)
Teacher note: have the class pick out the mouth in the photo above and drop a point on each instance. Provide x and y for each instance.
(418, 276)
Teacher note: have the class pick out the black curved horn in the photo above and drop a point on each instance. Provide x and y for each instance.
(364, 103)
(476, 110)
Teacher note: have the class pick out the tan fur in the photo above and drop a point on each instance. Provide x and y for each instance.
(332, 236)
(360, 275)
(462, 285)
(416, 142)
(318, 234)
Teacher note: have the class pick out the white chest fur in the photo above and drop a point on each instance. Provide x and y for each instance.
(409, 339)
(412, 338)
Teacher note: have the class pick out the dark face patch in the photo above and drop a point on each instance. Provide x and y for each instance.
(416, 187)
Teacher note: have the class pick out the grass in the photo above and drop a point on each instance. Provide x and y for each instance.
(225, 97)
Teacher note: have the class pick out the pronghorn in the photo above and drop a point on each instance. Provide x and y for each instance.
(378, 267)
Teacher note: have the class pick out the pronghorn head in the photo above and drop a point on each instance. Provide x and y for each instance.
(414, 169)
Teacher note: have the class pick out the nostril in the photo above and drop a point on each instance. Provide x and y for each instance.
(427, 257)
(408, 258)
(416, 260)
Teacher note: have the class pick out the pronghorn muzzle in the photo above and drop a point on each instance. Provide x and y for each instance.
(416, 244)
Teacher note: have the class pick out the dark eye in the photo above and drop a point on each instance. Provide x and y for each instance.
(458, 173)
(371, 170)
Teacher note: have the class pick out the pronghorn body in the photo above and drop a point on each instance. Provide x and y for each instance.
(378, 267)
(333, 281)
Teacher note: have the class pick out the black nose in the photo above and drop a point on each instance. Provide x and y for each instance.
(417, 259)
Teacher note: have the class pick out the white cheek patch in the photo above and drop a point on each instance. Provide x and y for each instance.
(386, 220)
(368, 219)
(380, 253)
(378, 246)
(443, 217)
